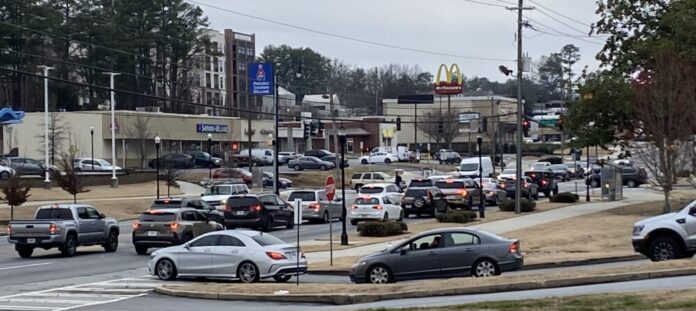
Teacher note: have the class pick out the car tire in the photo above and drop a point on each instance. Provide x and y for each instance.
(401, 216)
(24, 251)
(631, 183)
(323, 168)
(485, 268)
(555, 190)
(406, 215)
(363, 161)
(536, 196)
(267, 225)
(547, 193)
(165, 270)
(418, 203)
(141, 250)
(354, 222)
(594, 183)
(4, 175)
(387, 161)
(111, 244)
(291, 223)
(282, 278)
(297, 168)
(664, 248)
(248, 272)
(385, 218)
(325, 219)
(69, 248)
(379, 274)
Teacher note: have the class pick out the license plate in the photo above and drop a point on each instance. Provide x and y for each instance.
(409, 206)
(151, 233)
(31, 241)
(240, 212)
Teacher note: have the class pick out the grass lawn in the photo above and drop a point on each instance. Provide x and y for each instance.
(130, 190)
(654, 300)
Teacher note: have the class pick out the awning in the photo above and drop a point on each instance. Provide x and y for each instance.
(356, 131)
(9, 116)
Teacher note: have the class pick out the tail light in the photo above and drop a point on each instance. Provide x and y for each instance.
(136, 224)
(543, 182)
(315, 206)
(227, 208)
(255, 208)
(354, 207)
(173, 226)
(502, 186)
(514, 247)
(9, 229)
(463, 192)
(526, 185)
(377, 207)
(275, 255)
(52, 229)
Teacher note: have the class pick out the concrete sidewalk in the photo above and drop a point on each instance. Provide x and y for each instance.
(510, 224)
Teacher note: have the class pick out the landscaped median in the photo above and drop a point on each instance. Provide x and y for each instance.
(341, 294)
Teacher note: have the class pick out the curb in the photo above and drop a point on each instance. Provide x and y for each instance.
(343, 299)
(538, 266)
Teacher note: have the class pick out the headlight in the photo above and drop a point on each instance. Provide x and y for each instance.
(359, 263)
(153, 254)
(223, 202)
(637, 230)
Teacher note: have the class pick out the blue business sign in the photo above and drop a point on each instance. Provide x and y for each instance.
(211, 128)
(260, 79)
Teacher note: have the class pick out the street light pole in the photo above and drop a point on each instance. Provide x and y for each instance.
(482, 205)
(276, 184)
(342, 141)
(47, 180)
(157, 164)
(114, 180)
(210, 157)
(91, 134)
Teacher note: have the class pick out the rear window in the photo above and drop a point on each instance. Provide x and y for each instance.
(54, 213)
(450, 185)
(356, 176)
(361, 201)
(368, 190)
(421, 183)
(157, 217)
(559, 167)
(165, 204)
(265, 240)
(416, 193)
(302, 195)
(242, 201)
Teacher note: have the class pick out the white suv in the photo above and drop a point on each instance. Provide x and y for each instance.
(668, 236)
(377, 207)
(391, 190)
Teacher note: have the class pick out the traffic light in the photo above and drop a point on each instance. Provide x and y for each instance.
(525, 127)
(398, 124)
(320, 129)
(307, 131)
(484, 124)
(440, 125)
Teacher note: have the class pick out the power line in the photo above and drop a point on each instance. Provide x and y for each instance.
(485, 3)
(563, 23)
(558, 13)
(354, 39)
(558, 33)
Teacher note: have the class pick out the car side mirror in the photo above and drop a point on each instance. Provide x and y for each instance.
(338, 199)
(102, 216)
(187, 246)
(404, 251)
(692, 211)
(202, 194)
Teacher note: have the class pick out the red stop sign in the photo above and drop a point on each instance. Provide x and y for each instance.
(330, 188)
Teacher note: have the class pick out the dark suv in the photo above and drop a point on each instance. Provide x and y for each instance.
(204, 207)
(263, 211)
(423, 200)
(545, 180)
(319, 153)
(633, 177)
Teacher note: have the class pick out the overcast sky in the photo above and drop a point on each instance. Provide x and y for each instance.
(457, 27)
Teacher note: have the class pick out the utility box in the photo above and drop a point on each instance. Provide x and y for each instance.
(257, 177)
(612, 182)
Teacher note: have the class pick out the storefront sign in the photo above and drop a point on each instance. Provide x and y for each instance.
(453, 83)
(260, 78)
(211, 128)
(466, 117)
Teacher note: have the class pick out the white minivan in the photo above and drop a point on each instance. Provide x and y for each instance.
(469, 167)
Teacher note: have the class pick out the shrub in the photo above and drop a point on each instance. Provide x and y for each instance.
(456, 216)
(525, 205)
(380, 229)
(565, 197)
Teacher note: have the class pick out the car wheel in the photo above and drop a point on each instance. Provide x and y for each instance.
(664, 248)
(547, 193)
(282, 278)
(630, 183)
(594, 184)
(112, 242)
(323, 167)
(141, 250)
(354, 222)
(555, 190)
(268, 225)
(379, 275)
(495, 201)
(248, 272)
(387, 161)
(69, 248)
(297, 167)
(326, 219)
(363, 161)
(291, 223)
(24, 251)
(4, 175)
(401, 216)
(485, 268)
(418, 202)
(385, 218)
(165, 270)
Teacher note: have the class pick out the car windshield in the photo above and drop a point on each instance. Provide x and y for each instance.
(421, 183)
(371, 189)
(219, 190)
(469, 167)
(302, 196)
(558, 167)
(103, 163)
(365, 201)
(157, 217)
(54, 213)
(539, 166)
(162, 204)
(416, 193)
(449, 184)
(266, 240)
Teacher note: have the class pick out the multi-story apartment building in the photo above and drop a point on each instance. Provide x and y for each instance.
(240, 49)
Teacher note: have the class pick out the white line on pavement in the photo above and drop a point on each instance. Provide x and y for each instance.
(25, 266)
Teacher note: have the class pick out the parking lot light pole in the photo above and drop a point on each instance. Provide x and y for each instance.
(210, 157)
(114, 180)
(91, 134)
(47, 180)
(589, 171)
(157, 165)
(482, 205)
(344, 213)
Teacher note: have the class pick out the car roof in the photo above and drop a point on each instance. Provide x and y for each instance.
(381, 184)
(422, 188)
(63, 206)
(170, 210)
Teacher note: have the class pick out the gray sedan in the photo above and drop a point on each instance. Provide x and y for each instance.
(310, 163)
(242, 254)
(440, 253)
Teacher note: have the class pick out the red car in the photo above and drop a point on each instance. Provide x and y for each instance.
(233, 173)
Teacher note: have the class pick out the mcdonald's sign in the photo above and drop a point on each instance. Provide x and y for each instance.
(453, 83)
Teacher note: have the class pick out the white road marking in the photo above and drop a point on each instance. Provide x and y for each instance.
(26, 266)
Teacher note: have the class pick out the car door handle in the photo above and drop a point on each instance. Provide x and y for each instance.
(432, 253)
(469, 250)
(234, 252)
(207, 250)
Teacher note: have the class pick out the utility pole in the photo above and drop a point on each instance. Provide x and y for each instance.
(449, 120)
(518, 143)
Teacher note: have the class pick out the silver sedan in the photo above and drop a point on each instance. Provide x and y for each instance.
(242, 254)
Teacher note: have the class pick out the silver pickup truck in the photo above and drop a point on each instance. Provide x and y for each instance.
(66, 227)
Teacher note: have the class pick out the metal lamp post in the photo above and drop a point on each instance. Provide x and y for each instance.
(210, 157)
(482, 206)
(91, 135)
(157, 164)
(114, 180)
(342, 142)
(47, 180)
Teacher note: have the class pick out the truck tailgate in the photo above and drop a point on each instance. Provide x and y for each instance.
(31, 228)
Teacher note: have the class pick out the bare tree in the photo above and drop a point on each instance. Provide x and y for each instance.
(70, 180)
(171, 173)
(16, 193)
(58, 132)
(429, 124)
(140, 131)
(664, 115)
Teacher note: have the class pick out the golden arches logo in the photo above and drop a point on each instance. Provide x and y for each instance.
(452, 84)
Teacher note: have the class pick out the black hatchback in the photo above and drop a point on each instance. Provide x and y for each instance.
(263, 211)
